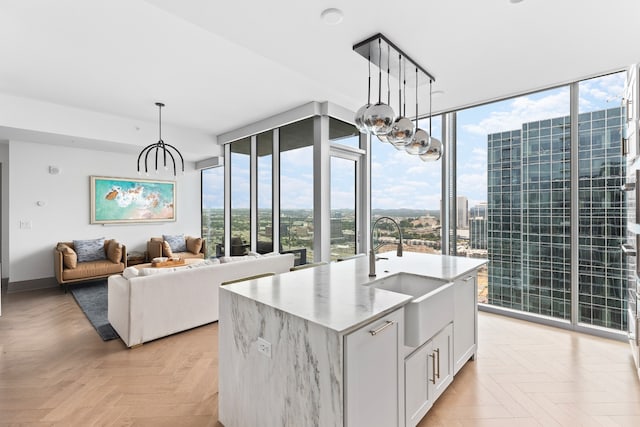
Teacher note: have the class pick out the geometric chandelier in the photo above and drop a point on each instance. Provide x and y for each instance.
(160, 148)
(379, 118)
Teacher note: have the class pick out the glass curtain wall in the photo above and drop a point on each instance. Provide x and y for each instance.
(408, 190)
(265, 192)
(212, 182)
(296, 187)
(240, 197)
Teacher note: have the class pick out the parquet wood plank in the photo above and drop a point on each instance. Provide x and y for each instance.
(56, 371)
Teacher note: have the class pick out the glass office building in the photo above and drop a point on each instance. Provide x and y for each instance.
(529, 218)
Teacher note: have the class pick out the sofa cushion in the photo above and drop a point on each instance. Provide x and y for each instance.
(227, 259)
(93, 269)
(194, 244)
(90, 250)
(166, 249)
(114, 251)
(150, 271)
(176, 241)
(69, 256)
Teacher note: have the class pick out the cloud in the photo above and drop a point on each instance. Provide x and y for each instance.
(509, 115)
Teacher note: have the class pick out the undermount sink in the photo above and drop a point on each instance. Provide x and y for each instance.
(430, 310)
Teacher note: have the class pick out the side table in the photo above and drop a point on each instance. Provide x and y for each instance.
(135, 258)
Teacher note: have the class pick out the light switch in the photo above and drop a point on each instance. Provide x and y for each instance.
(25, 225)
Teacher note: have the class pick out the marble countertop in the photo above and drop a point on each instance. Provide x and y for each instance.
(336, 295)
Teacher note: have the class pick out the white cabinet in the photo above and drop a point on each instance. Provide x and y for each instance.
(373, 373)
(465, 317)
(428, 371)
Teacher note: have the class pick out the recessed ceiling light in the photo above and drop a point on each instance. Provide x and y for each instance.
(516, 1)
(332, 16)
(437, 92)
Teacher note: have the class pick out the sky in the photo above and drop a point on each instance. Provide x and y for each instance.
(400, 180)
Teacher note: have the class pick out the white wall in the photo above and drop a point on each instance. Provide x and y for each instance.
(66, 213)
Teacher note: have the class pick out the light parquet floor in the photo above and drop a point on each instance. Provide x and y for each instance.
(55, 370)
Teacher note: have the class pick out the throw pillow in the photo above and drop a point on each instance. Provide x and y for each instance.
(194, 244)
(90, 250)
(114, 252)
(176, 241)
(130, 272)
(166, 250)
(69, 256)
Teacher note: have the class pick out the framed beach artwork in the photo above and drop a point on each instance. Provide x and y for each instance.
(123, 200)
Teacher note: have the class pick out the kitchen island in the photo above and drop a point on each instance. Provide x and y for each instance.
(325, 346)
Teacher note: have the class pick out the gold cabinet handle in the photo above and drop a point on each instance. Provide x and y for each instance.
(379, 329)
(437, 352)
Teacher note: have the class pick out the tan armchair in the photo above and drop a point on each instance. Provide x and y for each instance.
(196, 248)
(68, 270)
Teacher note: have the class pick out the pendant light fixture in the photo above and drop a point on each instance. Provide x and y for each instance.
(402, 129)
(420, 141)
(161, 149)
(434, 152)
(379, 117)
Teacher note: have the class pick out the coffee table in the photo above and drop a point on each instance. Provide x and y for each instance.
(187, 261)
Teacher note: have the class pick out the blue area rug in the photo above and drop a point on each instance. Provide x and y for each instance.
(92, 299)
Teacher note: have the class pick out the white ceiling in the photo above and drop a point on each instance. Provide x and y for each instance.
(222, 65)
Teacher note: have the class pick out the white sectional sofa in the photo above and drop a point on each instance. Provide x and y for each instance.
(147, 307)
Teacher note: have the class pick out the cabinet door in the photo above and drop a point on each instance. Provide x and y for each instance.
(374, 380)
(441, 363)
(465, 317)
(416, 384)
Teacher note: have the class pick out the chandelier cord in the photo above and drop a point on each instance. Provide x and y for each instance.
(388, 78)
(430, 104)
(416, 97)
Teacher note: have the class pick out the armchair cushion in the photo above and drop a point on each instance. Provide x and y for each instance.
(69, 256)
(90, 250)
(177, 242)
(114, 251)
(194, 244)
(166, 249)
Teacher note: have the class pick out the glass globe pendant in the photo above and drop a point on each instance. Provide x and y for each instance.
(401, 132)
(379, 117)
(434, 152)
(402, 129)
(359, 118)
(419, 143)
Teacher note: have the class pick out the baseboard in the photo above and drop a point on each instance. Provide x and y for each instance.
(32, 285)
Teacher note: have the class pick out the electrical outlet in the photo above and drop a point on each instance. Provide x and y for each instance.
(264, 347)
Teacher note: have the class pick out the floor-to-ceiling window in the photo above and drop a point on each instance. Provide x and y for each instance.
(345, 173)
(602, 223)
(514, 164)
(212, 181)
(408, 190)
(240, 197)
(265, 192)
(296, 187)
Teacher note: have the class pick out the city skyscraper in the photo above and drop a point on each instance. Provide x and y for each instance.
(463, 212)
(529, 218)
(478, 233)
